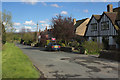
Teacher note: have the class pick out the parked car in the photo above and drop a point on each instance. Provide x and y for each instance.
(53, 46)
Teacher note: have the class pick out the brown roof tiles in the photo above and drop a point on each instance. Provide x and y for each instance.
(97, 17)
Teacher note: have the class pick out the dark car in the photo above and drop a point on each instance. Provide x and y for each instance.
(53, 46)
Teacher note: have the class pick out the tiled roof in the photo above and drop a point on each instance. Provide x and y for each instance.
(112, 16)
(116, 9)
(97, 17)
(81, 26)
(79, 22)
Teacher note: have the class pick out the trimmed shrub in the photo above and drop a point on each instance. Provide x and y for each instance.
(92, 47)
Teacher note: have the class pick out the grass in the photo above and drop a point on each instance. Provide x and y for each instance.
(15, 64)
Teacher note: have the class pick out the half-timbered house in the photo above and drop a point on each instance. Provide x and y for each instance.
(104, 27)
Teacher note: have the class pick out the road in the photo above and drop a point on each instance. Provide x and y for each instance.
(70, 65)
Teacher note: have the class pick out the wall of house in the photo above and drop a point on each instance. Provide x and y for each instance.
(92, 33)
(99, 39)
(111, 31)
(111, 40)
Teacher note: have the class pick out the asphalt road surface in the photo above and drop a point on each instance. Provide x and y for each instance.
(70, 65)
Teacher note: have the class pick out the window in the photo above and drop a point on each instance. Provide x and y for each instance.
(94, 27)
(105, 25)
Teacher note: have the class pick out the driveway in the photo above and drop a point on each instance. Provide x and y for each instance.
(70, 65)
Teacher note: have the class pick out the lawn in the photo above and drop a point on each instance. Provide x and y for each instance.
(15, 64)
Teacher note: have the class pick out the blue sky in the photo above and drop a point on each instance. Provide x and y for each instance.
(26, 14)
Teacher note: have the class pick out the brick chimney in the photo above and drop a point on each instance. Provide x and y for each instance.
(46, 28)
(74, 21)
(109, 8)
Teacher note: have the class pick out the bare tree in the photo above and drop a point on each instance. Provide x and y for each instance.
(7, 26)
(7, 21)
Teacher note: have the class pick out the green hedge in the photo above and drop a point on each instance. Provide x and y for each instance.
(92, 47)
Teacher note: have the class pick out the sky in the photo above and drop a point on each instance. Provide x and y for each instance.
(28, 14)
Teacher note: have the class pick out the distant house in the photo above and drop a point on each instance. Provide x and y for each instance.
(104, 26)
(47, 33)
(80, 26)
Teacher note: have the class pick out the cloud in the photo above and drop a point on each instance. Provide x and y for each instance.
(28, 27)
(33, 2)
(29, 23)
(47, 20)
(64, 12)
(56, 5)
(16, 24)
(44, 25)
(45, 4)
(20, 28)
(17, 30)
(42, 21)
(86, 11)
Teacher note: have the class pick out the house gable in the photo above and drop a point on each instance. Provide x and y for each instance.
(88, 32)
(105, 18)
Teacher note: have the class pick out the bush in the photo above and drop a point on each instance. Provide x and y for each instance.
(92, 47)
(37, 44)
(48, 41)
(74, 44)
(62, 44)
(21, 41)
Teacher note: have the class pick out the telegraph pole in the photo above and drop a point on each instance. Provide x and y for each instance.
(119, 4)
(37, 33)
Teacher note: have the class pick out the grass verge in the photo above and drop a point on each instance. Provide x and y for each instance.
(15, 64)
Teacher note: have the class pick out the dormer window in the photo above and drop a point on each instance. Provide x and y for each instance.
(94, 27)
(105, 25)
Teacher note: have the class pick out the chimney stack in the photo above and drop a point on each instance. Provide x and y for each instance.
(46, 28)
(74, 21)
(109, 8)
